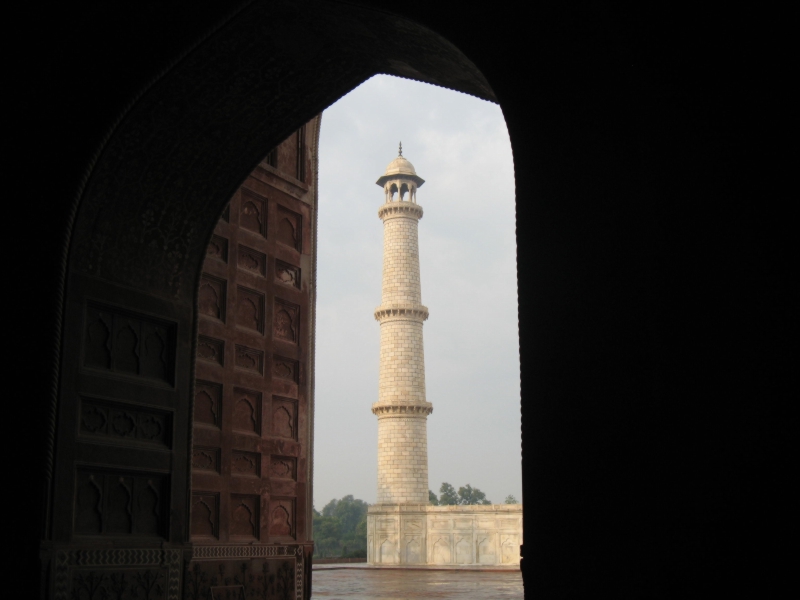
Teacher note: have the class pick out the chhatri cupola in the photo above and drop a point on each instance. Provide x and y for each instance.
(400, 181)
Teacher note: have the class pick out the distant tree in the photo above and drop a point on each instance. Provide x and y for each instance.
(511, 500)
(341, 528)
(327, 534)
(327, 510)
(447, 495)
(350, 511)
(432, 499)
(361, 529)
(470, 495)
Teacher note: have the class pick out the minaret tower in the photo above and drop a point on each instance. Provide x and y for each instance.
(402, 409)
(403, 528)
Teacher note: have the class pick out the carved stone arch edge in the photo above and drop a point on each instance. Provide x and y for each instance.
(312, 334)
(74, 210)
(488, 98)
(64, 254)
(68, 560)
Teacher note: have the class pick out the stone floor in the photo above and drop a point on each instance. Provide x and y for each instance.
(402, 584)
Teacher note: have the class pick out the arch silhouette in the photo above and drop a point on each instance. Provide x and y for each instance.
(609, 119)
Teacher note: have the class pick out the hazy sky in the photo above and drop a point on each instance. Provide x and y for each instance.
(460, 146)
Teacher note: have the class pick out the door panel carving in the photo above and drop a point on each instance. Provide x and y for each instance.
(153, 466)
(127, 343)
(251, 404)
(117, 503)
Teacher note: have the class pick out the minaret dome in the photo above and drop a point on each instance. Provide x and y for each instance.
(400, 179)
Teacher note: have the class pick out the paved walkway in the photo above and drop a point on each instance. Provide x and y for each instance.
(406, 584)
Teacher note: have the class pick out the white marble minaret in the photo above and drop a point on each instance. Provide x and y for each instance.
(402, 527)
(402, 409)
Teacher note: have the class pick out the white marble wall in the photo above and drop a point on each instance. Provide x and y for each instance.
(476, 536)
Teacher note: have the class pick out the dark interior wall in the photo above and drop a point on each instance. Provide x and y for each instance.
(651, 282)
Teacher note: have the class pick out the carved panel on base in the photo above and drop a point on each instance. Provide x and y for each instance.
(286, 321)
(142, 574)
(118, 422)
(286, 273)
(247, 411)
(250, 309)
(281, 518)
(290, 228)
(207, 403)
(284, 418)
(205, 515)
(283, 467)
(463, 547)
(113, 503)
(413, 550)
(286, 368)
(218, 248)
(245, 464)
(253, 214)
(205, 459)
(244, 518)
(388, 551)
(212, 297)
(252, 261)
(486, 549)
(441, 550)
(509, 549)
(211, 350)
(249, 359)
(259, 572)
(128, 343)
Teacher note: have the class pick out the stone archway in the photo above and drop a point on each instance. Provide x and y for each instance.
(142, 224)
(640, 300)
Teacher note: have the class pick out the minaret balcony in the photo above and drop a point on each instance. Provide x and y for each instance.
(400, 209)
(402, 410)
(397, 311)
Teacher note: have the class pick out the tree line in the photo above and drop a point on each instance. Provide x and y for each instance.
(340, 530)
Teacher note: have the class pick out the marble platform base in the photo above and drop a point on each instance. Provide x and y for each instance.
(420, 535)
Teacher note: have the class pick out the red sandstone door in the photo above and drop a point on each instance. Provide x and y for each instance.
(120, 509)
(250, 473)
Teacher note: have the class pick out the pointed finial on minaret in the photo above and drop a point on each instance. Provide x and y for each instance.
(400, 151)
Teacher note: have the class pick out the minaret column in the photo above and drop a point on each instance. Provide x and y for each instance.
(402, 408)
